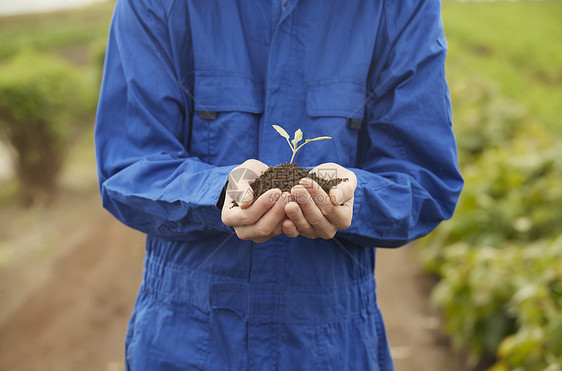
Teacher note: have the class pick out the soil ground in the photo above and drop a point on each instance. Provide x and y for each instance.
(69, 276)
(413, 326)
(76, 318)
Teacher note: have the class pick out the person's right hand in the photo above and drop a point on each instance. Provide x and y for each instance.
(257, 220)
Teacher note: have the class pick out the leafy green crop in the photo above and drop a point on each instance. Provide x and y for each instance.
(296, 139)
(499, 257)
(506, 300)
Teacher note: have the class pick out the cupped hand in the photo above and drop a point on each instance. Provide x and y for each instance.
(257, 220)
(315, 214)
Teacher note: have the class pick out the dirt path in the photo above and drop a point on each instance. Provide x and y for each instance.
(77, 319)
(413, 328)
(67, 308)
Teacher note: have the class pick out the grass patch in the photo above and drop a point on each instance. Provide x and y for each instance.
(516, 44)
(54, 30)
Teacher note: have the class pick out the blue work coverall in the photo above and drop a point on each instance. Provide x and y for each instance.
(190, 91)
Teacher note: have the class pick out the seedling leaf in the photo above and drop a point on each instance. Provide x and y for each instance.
(297, 138)
(317, 138)
(281, 131)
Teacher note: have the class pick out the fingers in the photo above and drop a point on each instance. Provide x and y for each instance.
(330, 206)
(322, 200)
(336, 196)
(320, 225)
(247, 198)
(277, 213)
(269, 225)
(236, 216)
(297, 223)
(342, 193)
(289, 227)
(239, 179)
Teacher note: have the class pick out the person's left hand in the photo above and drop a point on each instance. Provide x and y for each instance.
(257, 220)
(313, 213)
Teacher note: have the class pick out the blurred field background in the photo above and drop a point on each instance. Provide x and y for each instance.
(483, 292)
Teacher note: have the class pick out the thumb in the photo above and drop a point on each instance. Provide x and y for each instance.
(246, 198)
(336, 196)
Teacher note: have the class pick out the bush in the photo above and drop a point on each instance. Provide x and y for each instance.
(499, 258)
(508, 298)
(537, 302)
(38, 96)
(496, 251)
(487, 118)
(512, 194)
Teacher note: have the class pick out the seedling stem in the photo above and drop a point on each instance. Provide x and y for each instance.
(296, 139)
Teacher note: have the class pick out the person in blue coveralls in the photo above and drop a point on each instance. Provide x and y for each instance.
(190, 92)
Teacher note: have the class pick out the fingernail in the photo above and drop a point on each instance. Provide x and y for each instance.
(307, 182)
(246, 196)
(296, 188)
(338, 196)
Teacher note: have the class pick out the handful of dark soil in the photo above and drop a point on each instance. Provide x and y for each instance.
(286, 176)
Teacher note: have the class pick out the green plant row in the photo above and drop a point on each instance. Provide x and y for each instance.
(506, 300)
(500, 258)
(54, 30)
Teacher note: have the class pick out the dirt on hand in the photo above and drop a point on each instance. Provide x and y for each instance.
(286, 176)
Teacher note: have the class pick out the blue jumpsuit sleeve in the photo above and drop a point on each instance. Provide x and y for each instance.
(147, 178)
(407, 169)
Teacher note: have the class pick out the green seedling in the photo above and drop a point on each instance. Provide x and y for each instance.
(298, 137)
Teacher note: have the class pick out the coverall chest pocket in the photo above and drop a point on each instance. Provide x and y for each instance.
(335, 108)
(227, 112)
